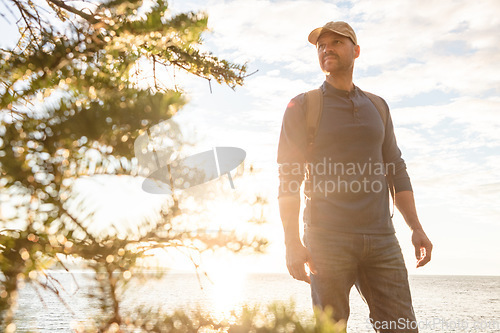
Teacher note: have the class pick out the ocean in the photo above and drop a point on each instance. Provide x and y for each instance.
(441, 303)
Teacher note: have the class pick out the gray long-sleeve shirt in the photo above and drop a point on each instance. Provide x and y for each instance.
(346, 187)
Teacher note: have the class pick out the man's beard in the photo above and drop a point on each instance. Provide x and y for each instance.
(340, 68)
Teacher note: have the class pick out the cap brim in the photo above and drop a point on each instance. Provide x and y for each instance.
(314, 35)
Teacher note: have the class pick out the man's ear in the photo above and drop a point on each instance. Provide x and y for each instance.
(357, 51)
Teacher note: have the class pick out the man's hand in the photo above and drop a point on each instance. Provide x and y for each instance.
(297, 256)
(296, 253)
(423, 247)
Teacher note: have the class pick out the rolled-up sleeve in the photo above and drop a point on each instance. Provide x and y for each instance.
(292, 148)
(397, 175)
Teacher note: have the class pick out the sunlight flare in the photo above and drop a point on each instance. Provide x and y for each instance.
(227, 290)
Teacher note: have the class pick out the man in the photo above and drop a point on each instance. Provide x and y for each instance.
(349, 238)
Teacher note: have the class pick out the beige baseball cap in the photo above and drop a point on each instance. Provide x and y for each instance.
(338, 27)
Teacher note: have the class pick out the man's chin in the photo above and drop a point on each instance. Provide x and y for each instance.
(329, 69)
(329, 65)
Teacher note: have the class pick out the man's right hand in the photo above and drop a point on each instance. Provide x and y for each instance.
(297, 256)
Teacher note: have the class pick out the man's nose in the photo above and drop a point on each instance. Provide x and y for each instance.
(328, 47)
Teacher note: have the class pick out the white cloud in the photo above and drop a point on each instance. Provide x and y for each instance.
(468, 75)
(268, 31)
(479, 117)
(408, 29)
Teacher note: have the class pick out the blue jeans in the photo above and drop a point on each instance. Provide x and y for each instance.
(375, 264)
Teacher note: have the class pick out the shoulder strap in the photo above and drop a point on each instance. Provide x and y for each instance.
(314, 108)
(380, 105)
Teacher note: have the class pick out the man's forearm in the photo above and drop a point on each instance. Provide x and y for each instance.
(289, 212)
(423, 246)
(406, 205)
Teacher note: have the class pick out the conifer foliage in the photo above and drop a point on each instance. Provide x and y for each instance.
(82, 82)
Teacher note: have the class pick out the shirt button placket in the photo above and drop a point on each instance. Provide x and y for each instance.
(355, 110)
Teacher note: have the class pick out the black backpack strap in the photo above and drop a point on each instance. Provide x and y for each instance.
(314, 108)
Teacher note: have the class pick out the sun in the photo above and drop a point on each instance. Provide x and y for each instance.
(226, 291)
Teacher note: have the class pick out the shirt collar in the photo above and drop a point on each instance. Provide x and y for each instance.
(328, 89)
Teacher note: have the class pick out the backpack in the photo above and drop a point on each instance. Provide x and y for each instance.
(314, 108)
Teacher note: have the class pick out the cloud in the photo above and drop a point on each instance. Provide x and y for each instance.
(422, 46)
(407, 29)
(271, 32)
(479, 119)
(473, 75)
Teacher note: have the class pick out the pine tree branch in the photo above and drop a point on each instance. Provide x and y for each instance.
(73, 10)
(23, 13)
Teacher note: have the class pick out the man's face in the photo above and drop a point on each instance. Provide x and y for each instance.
(336, 53)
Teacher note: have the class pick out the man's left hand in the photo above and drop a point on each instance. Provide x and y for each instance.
(423, 247)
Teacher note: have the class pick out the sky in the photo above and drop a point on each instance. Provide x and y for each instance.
(436, 63)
